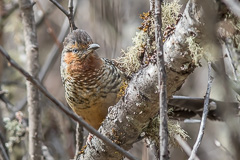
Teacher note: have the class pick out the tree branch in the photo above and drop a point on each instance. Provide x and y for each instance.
(162, 84)
(204, 115)
(34, 109)
(127, 119)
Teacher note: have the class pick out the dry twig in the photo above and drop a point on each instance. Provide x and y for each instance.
(69, 13)
(162, 83)
(204, 115)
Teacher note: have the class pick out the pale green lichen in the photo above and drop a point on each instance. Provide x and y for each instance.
(16, 132)
(195, 49)
(130, 61)
(170, 13)
(174, 129)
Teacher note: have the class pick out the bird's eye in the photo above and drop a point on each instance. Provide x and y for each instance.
(75, 50)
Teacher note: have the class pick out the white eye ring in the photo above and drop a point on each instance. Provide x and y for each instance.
(75, 51)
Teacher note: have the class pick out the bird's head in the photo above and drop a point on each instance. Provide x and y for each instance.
(78, 45)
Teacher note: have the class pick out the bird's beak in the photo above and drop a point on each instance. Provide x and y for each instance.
(90, 49)
(93, 47)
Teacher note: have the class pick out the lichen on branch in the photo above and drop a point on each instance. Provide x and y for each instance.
(143, 49)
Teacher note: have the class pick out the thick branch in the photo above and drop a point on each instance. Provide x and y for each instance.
(34, 110)
(127, 119)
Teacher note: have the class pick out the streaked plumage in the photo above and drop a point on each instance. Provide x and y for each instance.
(91, 83)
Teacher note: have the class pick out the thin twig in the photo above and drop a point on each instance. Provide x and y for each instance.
(79, 139)
(60, 7)
(63, 107)
(187, 149)
(234, 6)
(69, 13)
(204, 115)
(3, 152)
(162, 83)
(3, 148)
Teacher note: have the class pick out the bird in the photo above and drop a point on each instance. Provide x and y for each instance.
(91, 83)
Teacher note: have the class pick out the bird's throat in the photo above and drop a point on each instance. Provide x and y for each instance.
(77, 66)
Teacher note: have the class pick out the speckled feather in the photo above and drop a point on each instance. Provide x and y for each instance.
(91, 83)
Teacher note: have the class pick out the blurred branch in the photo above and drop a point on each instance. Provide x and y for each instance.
(46, 153)
(234, 6)
(187, 149)
(162, 84)
(49, 61)
(9, 9)
(49, 27)
(63, 107)
(3, 149)
(3, 154)
(218, 144)
(7, 103)
(229, 57)
(204, 115)
(69, 13)
(34, 108)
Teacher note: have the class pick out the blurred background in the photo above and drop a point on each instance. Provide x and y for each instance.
(112, 24)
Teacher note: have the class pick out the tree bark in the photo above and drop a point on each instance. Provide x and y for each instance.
(127, 119)
(34, 110)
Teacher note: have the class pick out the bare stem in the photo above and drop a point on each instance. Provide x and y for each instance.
(162, 83)
(69, 13)
(204, 115)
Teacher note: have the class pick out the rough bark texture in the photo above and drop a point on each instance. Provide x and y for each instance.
(34, 110)
(127, 119)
